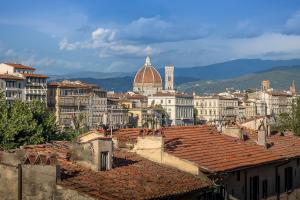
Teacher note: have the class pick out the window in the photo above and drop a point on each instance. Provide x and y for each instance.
(238, 176)
(169, 101)
(104, 161)
(278, 184)
(288, 173)
(265, 189)
(254, 188)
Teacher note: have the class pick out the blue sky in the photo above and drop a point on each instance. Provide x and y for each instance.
(60, 36)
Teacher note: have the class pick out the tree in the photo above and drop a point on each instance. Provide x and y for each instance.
(296, 116)
(290, 120)
(284, 122)
(24, 123)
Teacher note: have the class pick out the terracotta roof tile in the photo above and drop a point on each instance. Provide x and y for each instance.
(147, 75)
(132, 176)
(73, 84)
(216, 152)
(20, 66)
(35, 75)
(10, 77)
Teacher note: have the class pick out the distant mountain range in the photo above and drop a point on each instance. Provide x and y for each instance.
(90, 74)
(209, 76)
(280, 78)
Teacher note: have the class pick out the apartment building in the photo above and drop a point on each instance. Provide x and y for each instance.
(179, 107)
(35, 84)
(13, 87)
(276, 102)
(116, 115)
(215, 108)
(70, 99)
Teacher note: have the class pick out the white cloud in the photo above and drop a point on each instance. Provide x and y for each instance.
(287, 45)
(108, 45)
(101, 34)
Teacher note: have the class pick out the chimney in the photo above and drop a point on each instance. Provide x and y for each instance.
(95, 154)
(233, 131)
(262, 134)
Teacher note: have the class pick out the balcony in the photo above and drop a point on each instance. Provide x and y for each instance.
(36, 92)
(44, 85)
(13, 89)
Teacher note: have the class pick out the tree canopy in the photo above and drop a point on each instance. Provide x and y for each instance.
(24, 123)
(290, 120)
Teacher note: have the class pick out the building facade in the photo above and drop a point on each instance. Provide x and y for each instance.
(179, 107)
(72, 100)
(13, 87)
(36, 84)
(116, 115)
(215, 108)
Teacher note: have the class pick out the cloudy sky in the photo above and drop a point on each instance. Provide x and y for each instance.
(61, 36)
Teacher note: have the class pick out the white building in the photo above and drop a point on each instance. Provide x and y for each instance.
(215, 108)
(178, 106)
(13, 87)
(276, 102)
(36, 84)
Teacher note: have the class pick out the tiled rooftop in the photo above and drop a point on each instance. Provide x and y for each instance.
(215, 152)
(132, 177)
(72, 84)
(35, 75)
(20, 66)
(10, 77)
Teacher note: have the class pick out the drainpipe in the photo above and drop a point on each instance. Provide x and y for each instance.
(19, 181)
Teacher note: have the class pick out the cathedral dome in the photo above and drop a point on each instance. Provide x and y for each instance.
(147, 76)
(147, 80)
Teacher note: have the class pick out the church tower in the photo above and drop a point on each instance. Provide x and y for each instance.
(293, 88)
(169, 78)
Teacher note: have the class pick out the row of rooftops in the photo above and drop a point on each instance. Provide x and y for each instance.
(132, 177)
(21, 67)
(72, 84)
(214, 152)
(135, 177)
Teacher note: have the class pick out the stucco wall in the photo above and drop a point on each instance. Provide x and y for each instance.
(151, 147)
(8, 182)
(38, 182)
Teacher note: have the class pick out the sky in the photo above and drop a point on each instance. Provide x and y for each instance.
(66, 36)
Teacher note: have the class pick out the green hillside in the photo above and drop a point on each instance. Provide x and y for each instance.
(280, 78)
